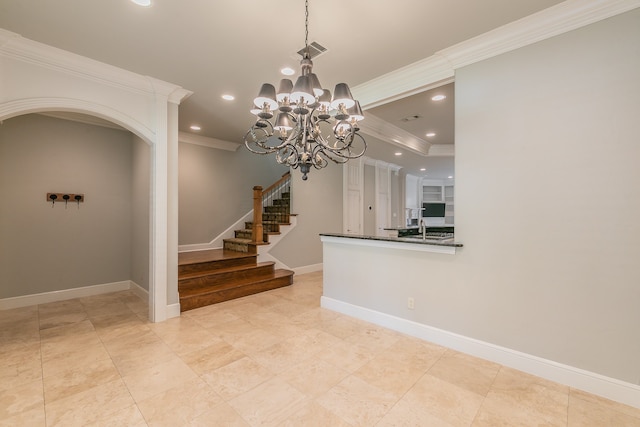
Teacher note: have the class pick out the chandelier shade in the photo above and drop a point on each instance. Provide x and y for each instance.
(266, 96)
(284, 90)
(311, 128)
(342, 95)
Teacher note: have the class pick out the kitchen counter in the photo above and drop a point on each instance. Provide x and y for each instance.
(414, 242)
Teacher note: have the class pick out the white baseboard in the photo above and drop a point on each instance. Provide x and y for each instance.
(590, 382)
(65, 294)
(141, 292)
(173, 310)
(308, 269)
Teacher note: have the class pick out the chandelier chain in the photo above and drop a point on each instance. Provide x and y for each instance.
(306, 26)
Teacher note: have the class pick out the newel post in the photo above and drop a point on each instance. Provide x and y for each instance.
(257, 234)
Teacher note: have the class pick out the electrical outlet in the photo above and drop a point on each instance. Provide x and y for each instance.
(410, 303)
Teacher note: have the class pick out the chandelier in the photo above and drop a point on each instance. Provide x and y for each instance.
(310, 127)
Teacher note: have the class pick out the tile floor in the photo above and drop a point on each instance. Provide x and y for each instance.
(273, 359)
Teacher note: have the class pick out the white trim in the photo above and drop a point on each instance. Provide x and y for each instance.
(308, 269)
(37, 105)
(553, 21)
(442, 150)
(25, 50)
(141, 292)
(439, 68)
(144, 105)
(389, 244)
(173, 310)
(381, 129)
(64, 294)
(591, 382)
(204, 141)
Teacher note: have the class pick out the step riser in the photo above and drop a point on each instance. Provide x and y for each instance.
(221, 279)
(280, 218)
(189, 303)
(217, 265)
(268, 228)
(248, 234)
(276, 209)
(238, 247)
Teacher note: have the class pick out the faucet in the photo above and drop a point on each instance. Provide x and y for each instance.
(423, 229)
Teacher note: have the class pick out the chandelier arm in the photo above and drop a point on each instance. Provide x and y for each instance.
(288, 155)
(339, 150)
(347, 152)
(252, 137)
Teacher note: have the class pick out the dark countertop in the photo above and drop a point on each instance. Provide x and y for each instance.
(415, 227)
(414, 240)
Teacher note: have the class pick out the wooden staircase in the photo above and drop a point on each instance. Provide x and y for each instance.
(273, 215)
(217, 275)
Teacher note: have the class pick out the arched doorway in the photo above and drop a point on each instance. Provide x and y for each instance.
(40, 78)
(62, 249)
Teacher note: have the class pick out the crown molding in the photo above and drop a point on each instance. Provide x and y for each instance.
(385, 131)
(440, 68)
(205, 141)
(442, 150)
(13, 45)
(559, 19)
(406, 81)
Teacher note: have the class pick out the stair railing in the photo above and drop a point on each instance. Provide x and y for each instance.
(263, 198)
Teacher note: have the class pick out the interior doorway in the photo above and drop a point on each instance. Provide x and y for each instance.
(60, 249)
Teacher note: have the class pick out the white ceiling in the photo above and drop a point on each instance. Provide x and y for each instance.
(215, 47)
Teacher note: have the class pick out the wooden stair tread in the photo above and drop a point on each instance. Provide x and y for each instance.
(213, 272)
(253, 281)
(195, 257)
(217, 275)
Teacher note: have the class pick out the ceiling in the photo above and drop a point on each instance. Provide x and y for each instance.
(214, 48)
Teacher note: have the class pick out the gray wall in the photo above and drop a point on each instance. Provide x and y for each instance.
(547, 185)
(45, 248)
(140, 211)
(216, 188)
(547, 207)
(318, 205)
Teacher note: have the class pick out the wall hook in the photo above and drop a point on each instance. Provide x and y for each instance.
(52, 197)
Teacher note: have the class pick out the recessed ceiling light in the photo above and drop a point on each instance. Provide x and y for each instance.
(398, 153)
(288, 71)
(195, 127)
(228, 97)
(431, 134)
(423, 169)
(142, 2)
(438, 97)
(450, 177)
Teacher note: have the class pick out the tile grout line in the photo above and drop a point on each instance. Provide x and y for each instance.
(484, 398)
(44, 402)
